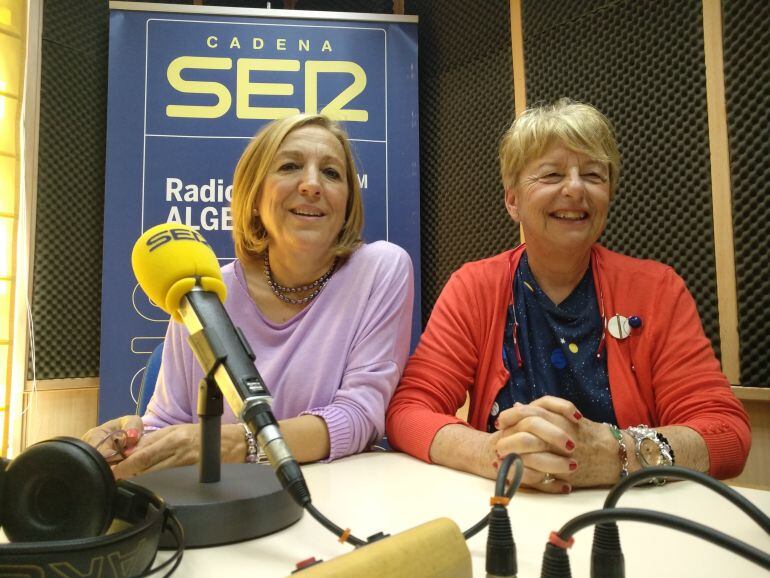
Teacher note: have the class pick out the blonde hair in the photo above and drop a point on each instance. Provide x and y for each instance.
(576, 125)
(249, 234)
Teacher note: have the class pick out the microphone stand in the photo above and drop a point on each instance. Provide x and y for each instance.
(210, 409)
(220, 503)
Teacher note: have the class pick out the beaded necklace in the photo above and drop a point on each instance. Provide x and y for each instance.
(281, 291)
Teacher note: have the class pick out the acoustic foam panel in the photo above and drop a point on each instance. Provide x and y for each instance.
(642, 64)
(747, 87)
(66, 288)
(466, 103)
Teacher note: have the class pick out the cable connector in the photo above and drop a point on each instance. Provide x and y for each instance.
(607, 559)
(501, 549)
(555, 562)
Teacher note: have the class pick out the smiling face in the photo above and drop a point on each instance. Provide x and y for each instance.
(561, 200)
(304, 195)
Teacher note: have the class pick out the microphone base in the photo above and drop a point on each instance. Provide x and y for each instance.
(246, 503)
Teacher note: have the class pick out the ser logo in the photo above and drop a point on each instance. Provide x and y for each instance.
(245, 87)
(163, 237)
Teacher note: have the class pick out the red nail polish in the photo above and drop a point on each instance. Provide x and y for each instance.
(570, 445)
(132, 433)
(496, 464)
(572, 466)
(577, 415)
(565, 489)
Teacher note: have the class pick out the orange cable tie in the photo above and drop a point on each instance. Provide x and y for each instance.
(345, 535)
(559, 542)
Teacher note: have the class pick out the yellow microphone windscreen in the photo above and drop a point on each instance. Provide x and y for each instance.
(168, 259)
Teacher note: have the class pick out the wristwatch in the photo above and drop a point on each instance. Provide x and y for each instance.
(652, 448)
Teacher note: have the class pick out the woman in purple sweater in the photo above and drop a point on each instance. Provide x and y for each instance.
(327, 316)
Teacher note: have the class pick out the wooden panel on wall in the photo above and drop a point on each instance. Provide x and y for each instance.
(74, 383)
(756, 474)
(59, 412)
(721, 195)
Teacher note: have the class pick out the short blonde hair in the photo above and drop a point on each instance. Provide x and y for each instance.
(576, 125)
(249, 234)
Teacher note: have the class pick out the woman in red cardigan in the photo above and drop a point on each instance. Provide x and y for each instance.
(587, 363)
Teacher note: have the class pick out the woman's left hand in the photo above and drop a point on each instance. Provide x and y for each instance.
(574, 451)
(177, 445)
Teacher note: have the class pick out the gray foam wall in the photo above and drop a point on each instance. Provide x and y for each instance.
(746, 26)
(642, 64)
(66, 290)
(466, 103)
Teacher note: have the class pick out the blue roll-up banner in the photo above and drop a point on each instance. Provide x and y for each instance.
(188, 88)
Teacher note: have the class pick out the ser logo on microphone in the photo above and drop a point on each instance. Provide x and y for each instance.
(162, 237)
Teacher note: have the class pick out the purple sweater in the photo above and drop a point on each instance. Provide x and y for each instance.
(340, 358)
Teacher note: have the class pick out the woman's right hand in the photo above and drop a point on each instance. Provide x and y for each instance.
(107, 438)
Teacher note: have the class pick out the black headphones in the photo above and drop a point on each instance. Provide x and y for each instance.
(57, 500)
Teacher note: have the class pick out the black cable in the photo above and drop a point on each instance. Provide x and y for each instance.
(716, 537)
(332, 527)
(501, 560)
(502, 475)
(178, 532)
(679, 473)
(607, 560)
(476, 528)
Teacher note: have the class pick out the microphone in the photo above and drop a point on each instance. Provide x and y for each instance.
(179, 271)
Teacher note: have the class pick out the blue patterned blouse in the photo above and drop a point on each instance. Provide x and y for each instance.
(558, 345)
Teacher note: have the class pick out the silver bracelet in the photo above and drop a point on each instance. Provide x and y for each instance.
(252, 448)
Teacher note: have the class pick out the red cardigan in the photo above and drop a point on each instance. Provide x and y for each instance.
(665, 373)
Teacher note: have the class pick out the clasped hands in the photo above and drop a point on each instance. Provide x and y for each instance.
(560, 448)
